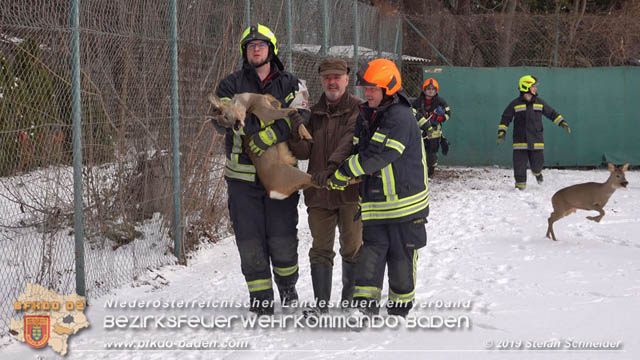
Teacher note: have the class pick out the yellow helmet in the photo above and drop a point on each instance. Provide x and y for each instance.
(258, 32)
(526, 82)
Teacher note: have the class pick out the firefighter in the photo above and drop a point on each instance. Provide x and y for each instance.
(389, 158)
(432, 111)
(528, 142)
(265, 229)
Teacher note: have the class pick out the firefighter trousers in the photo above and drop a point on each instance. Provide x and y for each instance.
(394, 246)
(535, 158)
(266, 236)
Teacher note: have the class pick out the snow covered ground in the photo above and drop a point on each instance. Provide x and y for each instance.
(486, 246)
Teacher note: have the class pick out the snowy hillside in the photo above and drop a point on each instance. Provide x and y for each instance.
(486, 247)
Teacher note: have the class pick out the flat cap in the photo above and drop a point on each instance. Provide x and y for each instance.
(330, 66)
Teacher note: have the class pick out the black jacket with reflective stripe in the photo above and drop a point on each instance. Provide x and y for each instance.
(392, 162)
(527, 121)
(281, 84)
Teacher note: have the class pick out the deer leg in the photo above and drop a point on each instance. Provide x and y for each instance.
(552, 218)
(597, 218)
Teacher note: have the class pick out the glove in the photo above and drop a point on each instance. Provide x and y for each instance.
(338, 181)
(296, 121)
(501, 136)
(261, 140)
(565, 125)
(321, 178)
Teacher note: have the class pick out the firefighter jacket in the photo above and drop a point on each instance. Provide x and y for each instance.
(527, 119)
(279, 83)
(423, 108)
(331, 127)
(389, 156)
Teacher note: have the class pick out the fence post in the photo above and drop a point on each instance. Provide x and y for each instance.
(325, 29)
(78, 217)
(247, 12)
(289, 37)
(399, 44)
(379, 25)
(356, 47)
(175, 134)
(555, 45)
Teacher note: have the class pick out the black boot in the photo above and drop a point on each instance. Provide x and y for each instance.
(321, 275)
(431, 171)
(288, 297)
(348, 282)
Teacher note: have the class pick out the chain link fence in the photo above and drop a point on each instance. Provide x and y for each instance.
(125, 50)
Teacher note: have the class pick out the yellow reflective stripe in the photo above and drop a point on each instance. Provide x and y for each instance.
(414, 111)
(395, 145)
(393, 214)
(422, 121)
(446, 117)
(558, 119)
(389, 183)
(288, 271)
(415, 266)
(535, 173)
(356, 140)
(402, 298)
(502, 126)
(447, 109)
(521, 185)
(538, 107)
(225, 100)
(519, 108)
(354, 165)
(424, 169)
(379, 137)
(239, 175)
(234, 164)
(367, 292)
(538, 145)
(237, 144)
(259, 285)
(290, 96)
(520, 145)
(389, 205)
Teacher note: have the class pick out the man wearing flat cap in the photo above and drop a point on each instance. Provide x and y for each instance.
(332, 123)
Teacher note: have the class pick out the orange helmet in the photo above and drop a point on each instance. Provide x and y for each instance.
(381, 73)
(431, 81)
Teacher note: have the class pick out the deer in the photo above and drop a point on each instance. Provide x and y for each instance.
(586, 196)
(275, 167)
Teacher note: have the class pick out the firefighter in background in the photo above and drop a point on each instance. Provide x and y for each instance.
(528, 142)
(389, 158)
(265, 229)
(432, 111)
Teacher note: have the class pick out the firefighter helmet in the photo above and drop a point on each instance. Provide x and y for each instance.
(258, 32)
(431, 81)
(526, 82)
(382, 73)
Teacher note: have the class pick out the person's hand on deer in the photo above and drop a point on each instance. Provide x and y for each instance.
(261, 140)
(338, 181)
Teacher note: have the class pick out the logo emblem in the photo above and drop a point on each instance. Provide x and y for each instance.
(36, 330)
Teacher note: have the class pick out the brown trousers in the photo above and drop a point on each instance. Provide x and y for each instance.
(323, 222)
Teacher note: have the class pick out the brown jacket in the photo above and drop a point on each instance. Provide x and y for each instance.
(331, 127)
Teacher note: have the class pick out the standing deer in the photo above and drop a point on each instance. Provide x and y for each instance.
(587, 196)
(275, 166)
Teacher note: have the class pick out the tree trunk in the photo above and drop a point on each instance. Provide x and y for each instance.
(506, 49)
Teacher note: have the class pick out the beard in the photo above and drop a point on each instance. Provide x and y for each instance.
(333, 94)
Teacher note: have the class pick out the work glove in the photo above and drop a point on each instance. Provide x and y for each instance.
(321, 178)
(565, 125)
(501, 136)
(338, 181)
(261, 140)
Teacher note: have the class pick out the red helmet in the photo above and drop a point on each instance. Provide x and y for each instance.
(382, 73)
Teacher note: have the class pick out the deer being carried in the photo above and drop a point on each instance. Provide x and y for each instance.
(275, 167)
(587, 196)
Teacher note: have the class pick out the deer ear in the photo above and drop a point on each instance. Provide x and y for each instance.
(214, 100)
(612, 167)
(625, 167)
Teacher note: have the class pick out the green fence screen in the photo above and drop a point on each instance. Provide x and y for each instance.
(597, 102)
